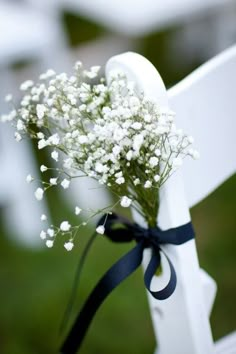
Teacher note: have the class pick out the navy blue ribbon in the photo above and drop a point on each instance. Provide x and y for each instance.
(119, 229)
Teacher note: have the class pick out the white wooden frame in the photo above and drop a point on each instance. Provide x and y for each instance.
(181, 323)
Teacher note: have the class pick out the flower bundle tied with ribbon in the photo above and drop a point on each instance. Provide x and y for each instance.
(128, 144)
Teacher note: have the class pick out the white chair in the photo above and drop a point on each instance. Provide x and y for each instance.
(25, 35)
(204, 103)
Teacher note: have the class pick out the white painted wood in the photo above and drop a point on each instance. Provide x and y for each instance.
(205, 105)
(181, 322)
(227, 344)
(209, 290)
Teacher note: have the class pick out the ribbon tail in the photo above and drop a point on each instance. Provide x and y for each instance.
(79, 269)
(154, 263)
(112, 278)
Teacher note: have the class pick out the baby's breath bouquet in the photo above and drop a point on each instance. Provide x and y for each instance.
(105, 131)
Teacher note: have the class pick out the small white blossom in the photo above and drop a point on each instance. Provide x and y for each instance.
(29, 179)
(43, 235)
(42, 143)
(50, 232)
(39, 193)
(54, 155)
(20, 125)
(153, 161)
(49, 243)
(8, 98)
(147, 184)
(129, 155)
(43, 217)
(65, 183)
(43, 168)
(125, 202)
(18, 137)
(136, 181)
(100, 229)
(136, 125)
(190, 139)
(157, 178)
(53, 181)
(68, 245)
(120, 180)
(41, 110)
(83, 139)
(77, 210)
(195, 155)
(26, 85)
(40, 135)
(65, 226)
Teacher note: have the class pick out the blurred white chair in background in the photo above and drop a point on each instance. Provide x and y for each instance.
(205, 104)
(25, 35)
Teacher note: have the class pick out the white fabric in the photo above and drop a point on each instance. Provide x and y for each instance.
(24, 32)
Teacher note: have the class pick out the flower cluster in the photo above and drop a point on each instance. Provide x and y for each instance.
(106, 131)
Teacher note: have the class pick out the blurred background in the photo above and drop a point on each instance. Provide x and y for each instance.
(176, 36)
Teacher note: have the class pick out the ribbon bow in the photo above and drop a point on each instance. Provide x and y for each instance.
(119, 229)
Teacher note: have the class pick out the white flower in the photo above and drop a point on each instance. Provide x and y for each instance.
(147, 184)
(83, 139)
(125, 202)
(65, 226)
(116, 150)
(54, 155)
(42, 143)
(8, 98)
(136, 125)
(43, 168)
(41, 110)
(195, 155)
(147, 118)
(29, 178)
(49, 243)
(100, 229)
(43, 217)
(177, 162)
(153, 161)
(77, 210)
(68, 245)
(39, 193)
(65, 183)
(190, 139)
(118, 134)
(26, 85)
(129, 155)
(20, 125)
(156, 178)
(120, 180)
(138, 141)
(43, 235)
(50, 232)
(136, 181)
(54, 139)
(53, 181)
(157, 152)
(18, 137)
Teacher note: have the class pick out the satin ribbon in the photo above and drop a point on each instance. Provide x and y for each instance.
(119, 229)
